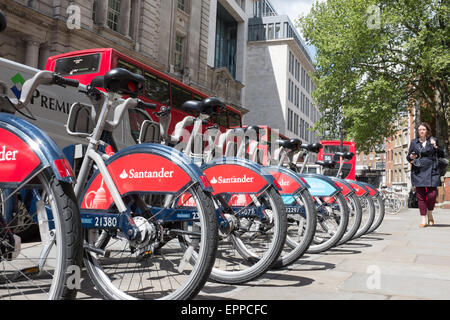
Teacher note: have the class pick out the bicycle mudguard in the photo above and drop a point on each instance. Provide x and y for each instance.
(360, 190)
(320, 186)
(347, 189)
(237, 176)
(372, 190)
(290, 183)
(288, 180)
(25, 150)
(152, 168)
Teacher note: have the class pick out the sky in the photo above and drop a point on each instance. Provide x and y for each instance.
(294, 8)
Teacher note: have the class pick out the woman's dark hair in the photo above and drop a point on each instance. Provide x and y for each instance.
(426, 125)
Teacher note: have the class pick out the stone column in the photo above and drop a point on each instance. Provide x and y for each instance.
(124, 20)
(32, 53)
(101, 12)
(43, 56)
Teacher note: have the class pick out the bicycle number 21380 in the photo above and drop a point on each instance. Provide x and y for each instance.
(105, 222)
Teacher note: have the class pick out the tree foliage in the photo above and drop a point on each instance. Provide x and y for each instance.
(373, 58)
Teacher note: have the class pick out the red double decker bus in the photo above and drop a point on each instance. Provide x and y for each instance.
(161, 89)
(328, 152)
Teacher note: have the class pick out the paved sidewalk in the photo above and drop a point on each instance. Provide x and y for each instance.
(398, 261)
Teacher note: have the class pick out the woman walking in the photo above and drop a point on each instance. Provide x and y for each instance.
(423, 154)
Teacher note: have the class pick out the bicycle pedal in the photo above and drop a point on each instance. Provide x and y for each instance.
(26, 273)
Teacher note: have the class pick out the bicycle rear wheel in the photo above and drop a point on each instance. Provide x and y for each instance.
(332, 221)
(301, 230)
(379, 213)
(253, 241)
(161, 265)
(42, 268)
(355, 217)
(368, 215)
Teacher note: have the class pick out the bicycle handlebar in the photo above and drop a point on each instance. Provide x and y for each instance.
(61, 81)
(42, 78)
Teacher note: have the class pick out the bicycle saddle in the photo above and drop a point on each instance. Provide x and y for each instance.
(326, 164)
(253, 128)
(348, 155)
(292, 144)
(121, 81)
(345, 155)
(314, 147)
(207, 106)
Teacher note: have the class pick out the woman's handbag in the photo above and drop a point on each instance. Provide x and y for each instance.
(412, 199)
(442, 165)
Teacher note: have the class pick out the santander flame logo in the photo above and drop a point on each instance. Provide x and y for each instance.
(123, 175)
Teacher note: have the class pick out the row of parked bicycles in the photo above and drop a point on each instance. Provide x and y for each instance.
(158, 219)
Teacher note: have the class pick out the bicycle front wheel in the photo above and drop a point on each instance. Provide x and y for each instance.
(254, 239)
(174, 258)
(301, 229)
(379, 212)
(368, 215)
(332, 221)
(355, 217)
(41, 268)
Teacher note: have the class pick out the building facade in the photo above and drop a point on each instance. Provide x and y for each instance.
(279, 86)
(200, 42)
(398, 170)
(370, 167)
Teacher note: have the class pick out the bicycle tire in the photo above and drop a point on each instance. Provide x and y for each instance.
(189, 282)
(242, 264)
(379, 213)
(53, 281)
(368, 215)
(339, 215)
(298, 243)
(355, 218)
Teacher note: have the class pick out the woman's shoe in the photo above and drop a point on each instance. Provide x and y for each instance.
(422, 225)
(430, 222)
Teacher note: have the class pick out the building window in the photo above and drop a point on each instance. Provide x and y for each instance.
(289, 120)
(270, 31)
(302, 128)
(226, 40)
(182, 5)
(113, 14)
(178, 54)
(307, 131)
(277, 30)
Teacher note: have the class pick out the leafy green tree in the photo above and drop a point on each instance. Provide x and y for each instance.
(376, 59)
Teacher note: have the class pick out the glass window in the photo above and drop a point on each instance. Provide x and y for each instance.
(334, 149)
(221, 119)
(234, 118)
(277, 30)
(157, 89)
(136, 118)
(179, 96)
(178, 54)
(129, 66)
(226, 40)
(270, 34)
(182, 5)
(78, 65)
(113, 14)
(296, 124)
